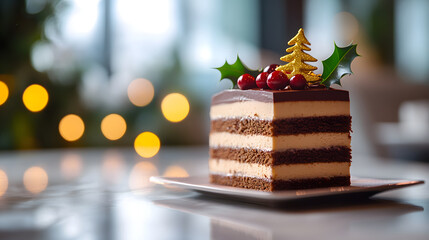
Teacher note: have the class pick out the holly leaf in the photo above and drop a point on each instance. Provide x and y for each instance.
(234, 71)
(338, 64)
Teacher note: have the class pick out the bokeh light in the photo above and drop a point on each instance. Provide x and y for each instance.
(35, 98)
(3, 182)
(4, 92)
(139, 176)
(147, 144)
(140, 92)
(175, 171)
(113, 167)
(35, 180)
(71, 127)
(42, 56)
(113, 126)
(71, 166)
(347, 26)
(175, 107)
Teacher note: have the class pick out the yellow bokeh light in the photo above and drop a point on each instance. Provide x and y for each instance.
(4, 92)
(175, 107)
(71, 127)
(35, 98)
(113, 126)
(3, 182)
(71, 166)
(139, 177)
(140, 92)
(35, 180)
(175, 171)
(147, 144)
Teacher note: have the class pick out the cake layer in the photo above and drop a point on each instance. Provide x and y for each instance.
(274, 96)
(250, 126)
(278, 143)
(246, 155)
(272, 140)
(264, 185)
(280, 110)
(279, 172)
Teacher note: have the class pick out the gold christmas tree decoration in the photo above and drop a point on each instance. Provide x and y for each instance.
(297, 58)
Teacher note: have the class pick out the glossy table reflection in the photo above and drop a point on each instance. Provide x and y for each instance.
(106, 194)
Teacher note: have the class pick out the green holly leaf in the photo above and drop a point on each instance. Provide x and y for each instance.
(338, 65)
(234, 71)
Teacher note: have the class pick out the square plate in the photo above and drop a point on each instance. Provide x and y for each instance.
(360, 187)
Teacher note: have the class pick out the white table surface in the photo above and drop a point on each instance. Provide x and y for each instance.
(105, 194)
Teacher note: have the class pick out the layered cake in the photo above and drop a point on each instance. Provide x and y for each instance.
(274, 140)
(285, 127)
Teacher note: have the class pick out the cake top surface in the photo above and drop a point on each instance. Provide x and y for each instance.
(315, 94)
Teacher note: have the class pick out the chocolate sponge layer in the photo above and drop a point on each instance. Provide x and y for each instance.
(268, 185)
(246, 155)
(277, 127)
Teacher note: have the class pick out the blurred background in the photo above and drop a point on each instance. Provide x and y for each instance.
(97, 96)
(109, 73)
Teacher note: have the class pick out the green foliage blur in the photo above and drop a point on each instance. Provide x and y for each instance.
(19, 30)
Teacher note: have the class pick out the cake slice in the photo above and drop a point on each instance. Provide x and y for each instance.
(275, 140)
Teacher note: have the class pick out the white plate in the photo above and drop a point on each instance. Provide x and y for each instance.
(360, 187)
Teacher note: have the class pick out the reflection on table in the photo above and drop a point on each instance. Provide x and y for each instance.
(106, 194)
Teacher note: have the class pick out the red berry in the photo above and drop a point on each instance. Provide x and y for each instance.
(298, 82)
(277, 80)
(261, 80)
(271, 68)
(246, 81)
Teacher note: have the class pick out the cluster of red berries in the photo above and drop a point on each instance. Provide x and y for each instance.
(269, 78)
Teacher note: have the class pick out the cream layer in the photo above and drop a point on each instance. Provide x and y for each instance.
(269, 111)
(279, 172)
(282, 142)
